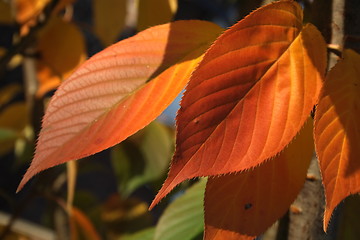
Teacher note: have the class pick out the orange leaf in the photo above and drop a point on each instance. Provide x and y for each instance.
(28, 9)
(47, 79)
(110, 96)
(337, 132)
(251, 201)
(61, 48)
(80, 220)
(250, 95)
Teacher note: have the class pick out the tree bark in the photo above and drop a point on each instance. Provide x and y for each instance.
(306, 213)
(337, 29)
(352, 25)
(308, 221)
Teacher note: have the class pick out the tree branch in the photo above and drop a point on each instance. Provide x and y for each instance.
(28, 39)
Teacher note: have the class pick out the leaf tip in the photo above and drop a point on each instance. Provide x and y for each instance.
(170, 183)
(28, 175)
(328, 215)
(165, 189)
(22, 183)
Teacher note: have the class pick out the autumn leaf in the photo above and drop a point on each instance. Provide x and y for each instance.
(5, 13)
(251, 201)
(119, 91)
(337, 132)
(28, 9)
(155, 12)
(109, 19)
(61, 47)
(79, 221)
(123, 215)
(8, 93)
(13, 120)
(15, 61)
(250, 95)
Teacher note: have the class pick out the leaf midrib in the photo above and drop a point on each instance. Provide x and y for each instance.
(251, 88)
(182, 59)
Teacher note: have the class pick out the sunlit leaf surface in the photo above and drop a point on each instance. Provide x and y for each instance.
(243, 205)
(119, 91)
(250, 95)
(337, 132)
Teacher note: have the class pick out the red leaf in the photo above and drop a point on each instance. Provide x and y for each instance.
(337, 132)
(110, 97)
(251, 201)
(250, 95)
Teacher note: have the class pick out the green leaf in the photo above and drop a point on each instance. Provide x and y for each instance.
(183, 219)
(146, 234)
(155, 145)
(7, 134)
(13, 120)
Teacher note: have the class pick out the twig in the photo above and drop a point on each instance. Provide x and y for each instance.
(26, 40)
(335, 49)
(18, 211)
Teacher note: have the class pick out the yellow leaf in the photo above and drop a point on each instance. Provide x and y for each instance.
(27, 10)
(5, 13)
(62, 49)
(155, 12)
(15, 61)
(13, 118)
(124, 215)
(8, 92)
(109, 17)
